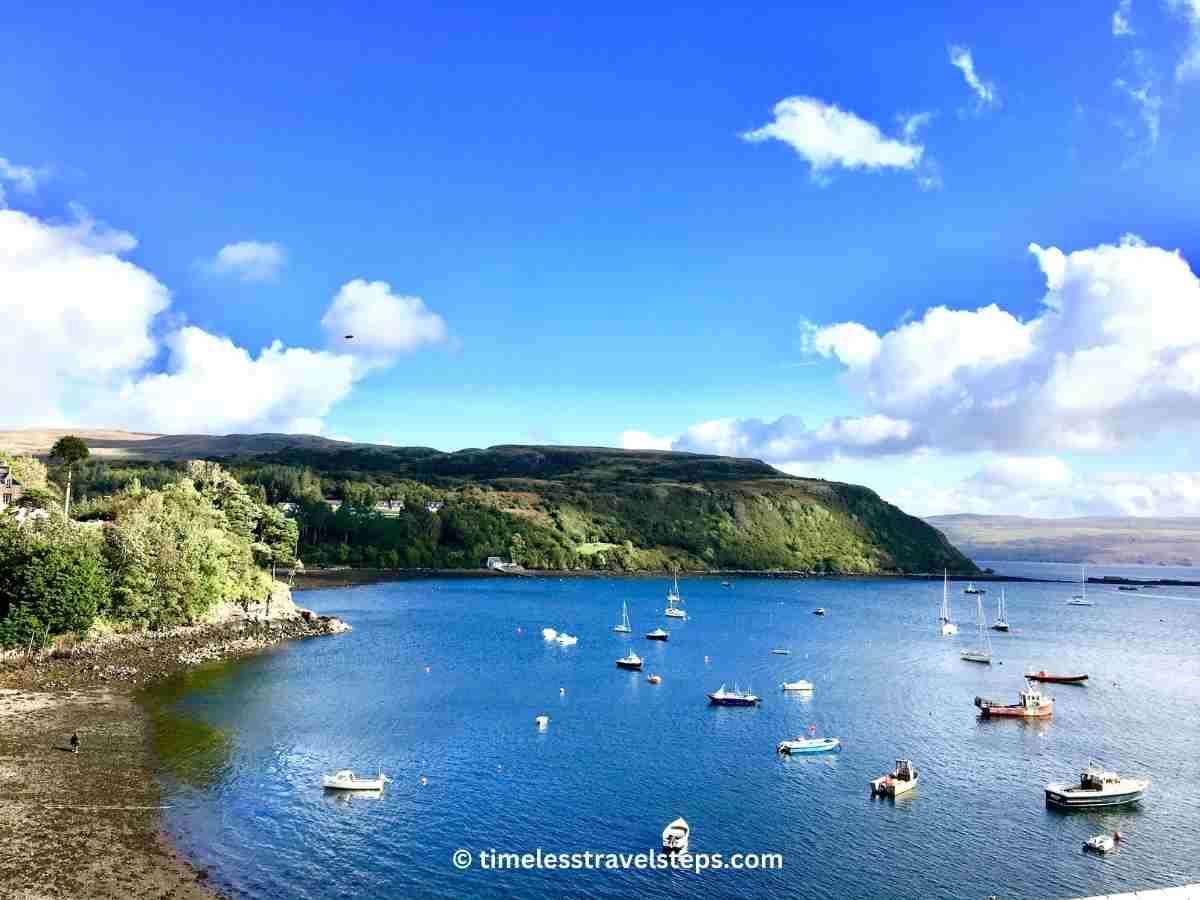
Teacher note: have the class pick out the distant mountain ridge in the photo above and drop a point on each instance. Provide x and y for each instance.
(649, 508)
(1094, 539)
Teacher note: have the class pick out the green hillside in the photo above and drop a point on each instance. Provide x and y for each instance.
(549, 507)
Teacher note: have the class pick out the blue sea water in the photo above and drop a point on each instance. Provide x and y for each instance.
(442, 679)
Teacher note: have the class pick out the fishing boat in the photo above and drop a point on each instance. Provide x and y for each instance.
(948, 627)
(819, 611)
(1045, 676)
(781, 651)
(797, 686)
(346, 780)
(623, 627)
(1102, 843)
(675, 837)
(983, 652)
(1097, 787)
(971, 589)
(630, 661)
(674, 601)
(657, 635)
(1001, 623)
(799, 745)
(901, 780)
(722, 697)
(1032, 705)
(1081, 599)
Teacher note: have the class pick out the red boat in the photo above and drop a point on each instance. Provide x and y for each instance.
(1055, 679)
(1032, 705)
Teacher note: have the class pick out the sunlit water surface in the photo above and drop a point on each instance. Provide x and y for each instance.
(442, 679)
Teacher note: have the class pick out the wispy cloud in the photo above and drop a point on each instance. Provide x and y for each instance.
(23, 178)
(1121, 26)
(829, 137)
(249, 261)
(984, 91)
(1189, 65)
(1148, 103)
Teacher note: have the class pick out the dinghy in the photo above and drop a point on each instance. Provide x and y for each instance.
(800, 685)
(675, 837)
(809, 745)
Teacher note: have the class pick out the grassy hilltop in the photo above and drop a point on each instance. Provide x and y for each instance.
(551, 507)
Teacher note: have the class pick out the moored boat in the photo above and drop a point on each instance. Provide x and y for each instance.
(722, 697)
(900, 780)
(1102, 843)
(982, 652)
(346, 780)
(948, 627)
(1045, 676)
(674, 601)
(819, 611)
(1001, 623)
(657, 635)
(781, 651)
(1081, 599)
(801, 745)
(567, 640)
(654, 679)
(675, 837)
(630, 661)
(1032, 705)
(971, 589)
(1096, 788)
(623, 627)
(800, 685)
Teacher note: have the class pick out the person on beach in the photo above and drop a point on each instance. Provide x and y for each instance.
(75, 742)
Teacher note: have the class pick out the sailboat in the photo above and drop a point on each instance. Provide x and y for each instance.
(674, 601)
(948, 627)
(1001, 623)
(983, 651)
(623, 627)
(1081, 598)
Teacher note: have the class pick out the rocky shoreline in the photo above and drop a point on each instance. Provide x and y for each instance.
(89, 824)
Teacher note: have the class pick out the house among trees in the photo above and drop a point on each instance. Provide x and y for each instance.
(10, 488)
(434, 505)
(389, 507)
(498, 564)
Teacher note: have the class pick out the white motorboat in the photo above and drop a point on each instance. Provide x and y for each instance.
(623, 627)
(1096, 788)
(1102, 843)
(819, 611)
(948, 627)
(781, 651)
(901, 780)
(674, 601)
(630, 661)
(809, 745)
(1081, 599)
(800, 685)
(542, 722)
(346, 780)
(982, 653)
(567, 640)
(675, 837)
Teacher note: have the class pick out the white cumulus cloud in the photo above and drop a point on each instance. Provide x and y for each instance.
(382, 324)
(829, 137)
(643, 440)
(88, 340)
(249, 261)
(984, 91)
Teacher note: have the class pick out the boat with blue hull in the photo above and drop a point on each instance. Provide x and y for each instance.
(1097, 788)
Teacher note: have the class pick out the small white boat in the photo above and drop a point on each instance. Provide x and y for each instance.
(543, 722)
(1096, 788)
(1081, 599)
(630, 661)
(549, 634)
(657, 635)
(1001, 623)
(948, 627)
(982, 653)
(781, 651)
(623, 627)
(346, 780)
(819, 611)
(800, 685)
(809, 745)
(1102, 843)
(567, 640)
(901, 780)
(675, 837)
(674, 601)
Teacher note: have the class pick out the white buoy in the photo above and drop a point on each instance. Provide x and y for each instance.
(543, 722)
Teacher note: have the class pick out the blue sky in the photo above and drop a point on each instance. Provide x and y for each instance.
(573, 195)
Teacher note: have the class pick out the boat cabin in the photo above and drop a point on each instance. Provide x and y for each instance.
(1093, 779)
(904, 770)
